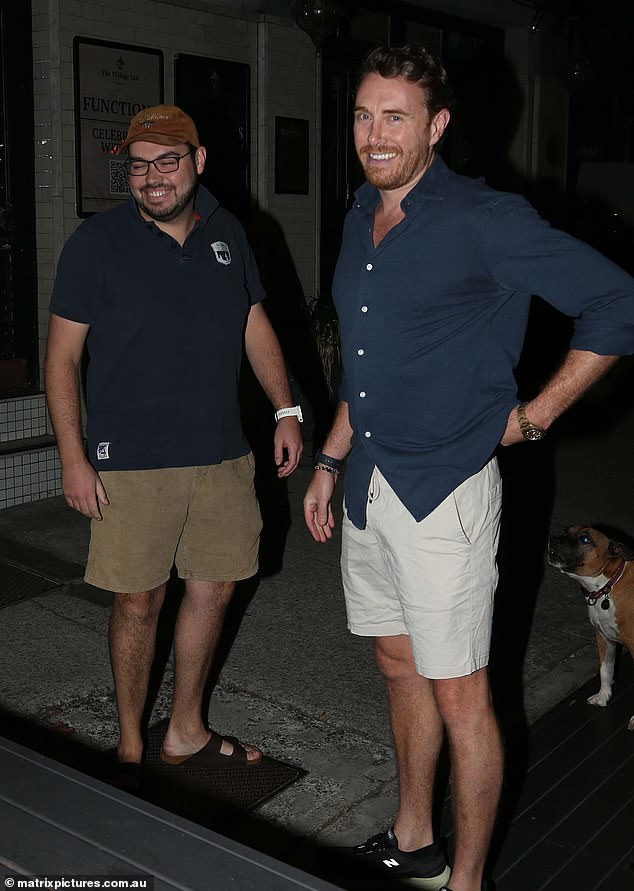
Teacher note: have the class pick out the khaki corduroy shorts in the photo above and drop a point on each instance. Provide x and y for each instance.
(206, 520)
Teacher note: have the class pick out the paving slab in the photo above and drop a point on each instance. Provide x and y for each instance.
(54, 646)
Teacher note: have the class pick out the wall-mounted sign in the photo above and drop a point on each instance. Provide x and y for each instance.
(113, 81)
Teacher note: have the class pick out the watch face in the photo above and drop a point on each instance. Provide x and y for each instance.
(530, 431)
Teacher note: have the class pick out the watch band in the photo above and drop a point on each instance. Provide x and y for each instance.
(530, 431)
(328, 461)
(295, 411)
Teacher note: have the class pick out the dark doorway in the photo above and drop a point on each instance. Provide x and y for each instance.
(216, 94)
(19, 367)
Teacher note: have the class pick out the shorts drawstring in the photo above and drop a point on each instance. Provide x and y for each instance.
(374, 489)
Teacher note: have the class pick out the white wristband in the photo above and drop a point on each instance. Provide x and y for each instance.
(295, 411)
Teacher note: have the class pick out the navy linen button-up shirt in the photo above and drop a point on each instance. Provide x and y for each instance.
(432, 325)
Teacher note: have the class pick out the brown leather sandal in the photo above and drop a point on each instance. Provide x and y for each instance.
(212, 756)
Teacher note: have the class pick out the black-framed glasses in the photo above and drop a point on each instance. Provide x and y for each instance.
(169, 164)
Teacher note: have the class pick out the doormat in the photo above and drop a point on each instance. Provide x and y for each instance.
(17, 585)
(203, 794)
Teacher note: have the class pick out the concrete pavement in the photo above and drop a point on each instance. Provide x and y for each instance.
(292, 679)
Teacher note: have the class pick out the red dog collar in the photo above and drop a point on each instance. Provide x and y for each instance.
(593, 596)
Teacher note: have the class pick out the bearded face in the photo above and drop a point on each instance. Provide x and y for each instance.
(165, 196)
(394, 133)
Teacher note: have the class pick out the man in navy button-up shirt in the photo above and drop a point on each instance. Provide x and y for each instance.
(433, 288)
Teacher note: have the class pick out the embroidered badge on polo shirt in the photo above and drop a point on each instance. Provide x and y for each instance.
(103, 451)
(222, 252)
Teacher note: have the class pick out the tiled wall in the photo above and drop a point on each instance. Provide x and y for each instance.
(27, 475)
(22, 418)
(291, 67)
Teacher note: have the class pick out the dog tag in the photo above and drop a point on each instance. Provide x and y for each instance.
(605, 603)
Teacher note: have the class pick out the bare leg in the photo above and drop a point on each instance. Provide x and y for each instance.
(418, 733)
(132, 640)
(198, 628)
(418, 710)
(477, 766)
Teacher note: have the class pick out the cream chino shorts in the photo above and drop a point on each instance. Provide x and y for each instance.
(433, 580)
(206, 520)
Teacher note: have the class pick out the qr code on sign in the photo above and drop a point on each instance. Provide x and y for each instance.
(118, 178)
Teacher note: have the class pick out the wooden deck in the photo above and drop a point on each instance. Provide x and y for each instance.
(571, 824)
(57, 822)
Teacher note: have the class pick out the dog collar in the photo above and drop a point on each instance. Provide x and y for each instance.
(593, 596)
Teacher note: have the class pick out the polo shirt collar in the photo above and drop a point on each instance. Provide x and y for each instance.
(432, 185)
(205, 204)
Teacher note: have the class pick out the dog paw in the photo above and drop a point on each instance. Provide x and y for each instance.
(600, 698)
(630, 724)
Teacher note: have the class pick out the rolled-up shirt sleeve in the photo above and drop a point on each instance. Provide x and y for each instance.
(526, 253)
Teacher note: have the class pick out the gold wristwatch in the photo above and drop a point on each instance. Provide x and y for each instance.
(530, 431)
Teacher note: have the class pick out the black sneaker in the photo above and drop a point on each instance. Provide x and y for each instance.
(380, 859)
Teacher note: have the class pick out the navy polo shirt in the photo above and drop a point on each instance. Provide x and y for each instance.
(432, 325)
(166, 335)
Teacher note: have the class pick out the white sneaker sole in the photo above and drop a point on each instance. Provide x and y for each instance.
(433, 884)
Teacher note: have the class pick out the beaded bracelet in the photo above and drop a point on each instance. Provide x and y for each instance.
(320, 466)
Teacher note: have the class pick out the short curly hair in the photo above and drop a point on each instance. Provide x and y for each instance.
(417, 66)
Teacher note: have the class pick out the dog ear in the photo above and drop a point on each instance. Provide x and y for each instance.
(616, 549)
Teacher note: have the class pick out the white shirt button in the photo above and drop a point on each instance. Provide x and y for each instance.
(367, 434)
(369, 267)
(362, 394)
(364, 309)
(360, 352)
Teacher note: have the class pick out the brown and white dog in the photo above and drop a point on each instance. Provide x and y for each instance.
(605, 571)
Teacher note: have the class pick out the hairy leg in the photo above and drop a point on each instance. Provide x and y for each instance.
(417, 731)
(198, 628)
(477, 762)
(132, 641)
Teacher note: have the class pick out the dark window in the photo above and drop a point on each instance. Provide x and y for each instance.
(19, 368)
